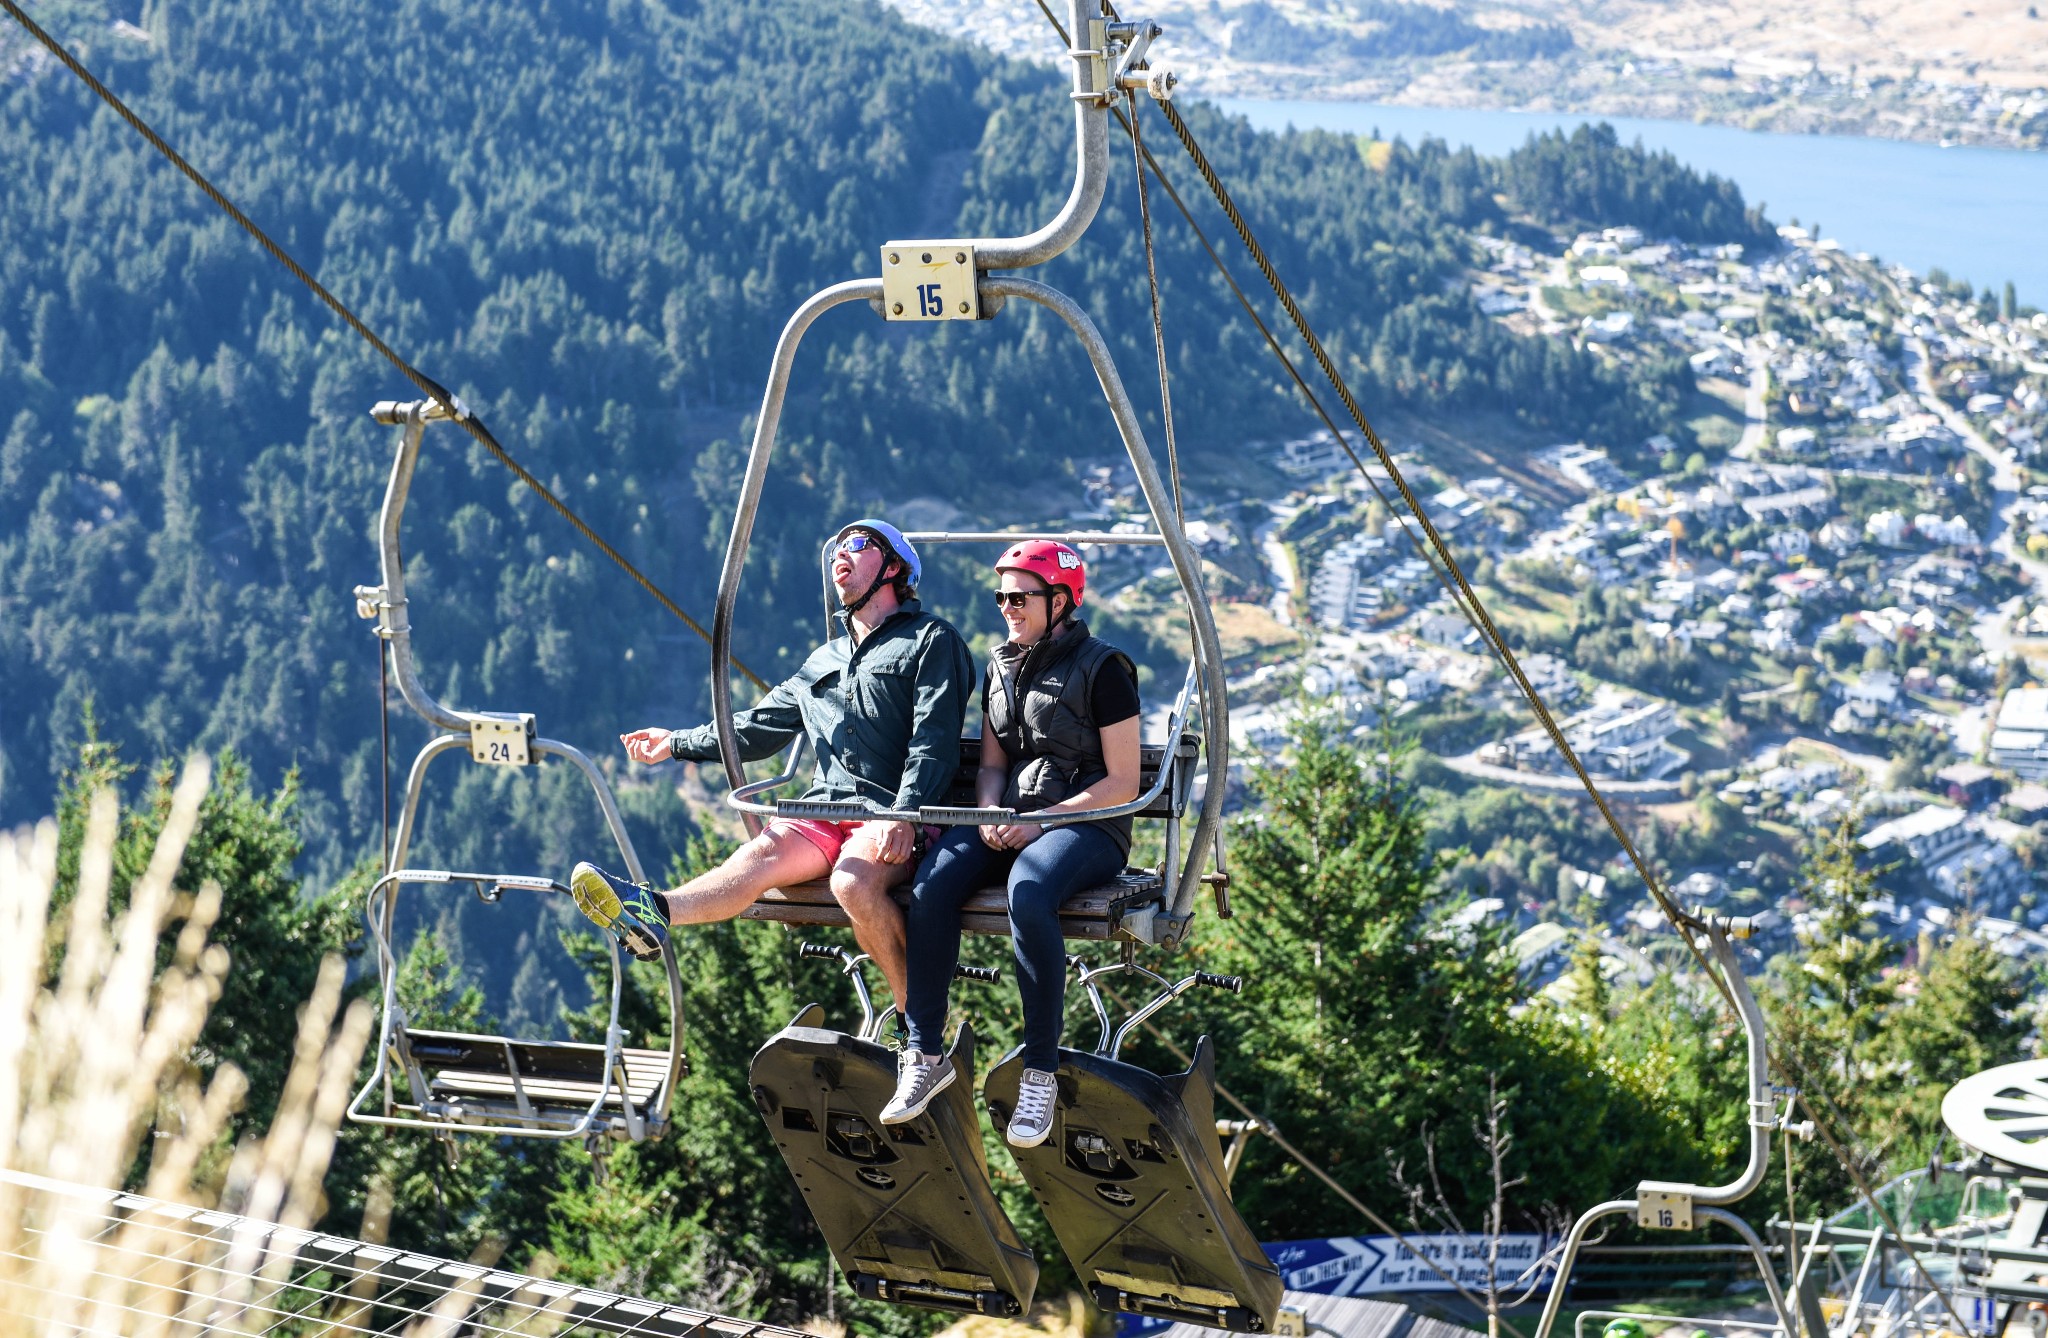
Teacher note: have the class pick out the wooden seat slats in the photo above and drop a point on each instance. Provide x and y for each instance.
(540, 1092)
(551, 1073)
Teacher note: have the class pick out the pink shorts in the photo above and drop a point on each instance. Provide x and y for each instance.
(831, 837)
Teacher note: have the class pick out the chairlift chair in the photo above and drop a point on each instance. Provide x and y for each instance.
(954, 279)
(1215, 1275)
(460, 1083)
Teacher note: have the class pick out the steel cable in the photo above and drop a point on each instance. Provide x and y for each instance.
(1467, 600)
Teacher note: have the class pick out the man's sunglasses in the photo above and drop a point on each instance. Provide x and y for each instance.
(859, 543)
(1015, 599)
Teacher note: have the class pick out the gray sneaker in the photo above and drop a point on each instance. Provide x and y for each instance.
(1031, 1122)
(919, 1078)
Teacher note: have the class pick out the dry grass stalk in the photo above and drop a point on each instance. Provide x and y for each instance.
(96, 1032)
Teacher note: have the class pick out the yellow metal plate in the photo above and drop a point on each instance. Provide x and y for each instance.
(1663, 1212)
(501, 740)
(929, 281)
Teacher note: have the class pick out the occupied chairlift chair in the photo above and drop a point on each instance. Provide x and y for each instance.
(1146, 1145)
(951, 280)
(455, 1082)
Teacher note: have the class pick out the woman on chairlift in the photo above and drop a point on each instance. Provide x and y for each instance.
(1060, 723)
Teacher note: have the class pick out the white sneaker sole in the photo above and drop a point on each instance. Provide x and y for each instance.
(1025, 1140)
(910, 1113)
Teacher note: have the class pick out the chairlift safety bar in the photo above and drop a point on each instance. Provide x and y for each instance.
(947, 815)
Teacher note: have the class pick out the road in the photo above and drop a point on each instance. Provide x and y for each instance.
(1279, 564)
(2007, 481)
(1641, 792)
(1753, 413)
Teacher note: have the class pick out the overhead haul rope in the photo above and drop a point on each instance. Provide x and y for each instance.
(1308, 393)
(1464, 597)
(1477, 612)
(1138, 156)
(427, 385)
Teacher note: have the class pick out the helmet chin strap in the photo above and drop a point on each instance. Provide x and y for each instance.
(857, 605)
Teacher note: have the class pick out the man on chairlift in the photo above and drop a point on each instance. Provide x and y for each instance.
(882, 708)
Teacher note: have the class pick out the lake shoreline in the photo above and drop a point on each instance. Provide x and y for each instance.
(1971, 211)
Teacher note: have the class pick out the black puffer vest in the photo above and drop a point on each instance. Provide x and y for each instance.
(1052, 740)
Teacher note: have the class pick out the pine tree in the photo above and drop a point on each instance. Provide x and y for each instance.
(1827, 1010)
(1965, 1017)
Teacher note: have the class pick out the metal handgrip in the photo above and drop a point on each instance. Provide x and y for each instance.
(987, 975)
(825, 810)
(946, 815)
(825, 951)
(1235, 984)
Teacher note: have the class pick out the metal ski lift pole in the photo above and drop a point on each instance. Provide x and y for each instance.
(1673, 1205)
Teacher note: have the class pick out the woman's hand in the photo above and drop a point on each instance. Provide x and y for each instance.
(1012, 836)
(648, 745)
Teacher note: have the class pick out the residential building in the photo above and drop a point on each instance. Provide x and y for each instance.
(2019, 737)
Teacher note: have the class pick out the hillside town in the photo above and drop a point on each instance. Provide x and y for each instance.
(1817, 611)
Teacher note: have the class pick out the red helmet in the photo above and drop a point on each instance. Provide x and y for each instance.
(1050, 561)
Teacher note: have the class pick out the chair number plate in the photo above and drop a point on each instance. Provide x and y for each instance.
(1664, 1212)
(501, 740)
(929, 281)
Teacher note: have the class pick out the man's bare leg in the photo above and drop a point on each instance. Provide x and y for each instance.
(772, 859)
(861, 882)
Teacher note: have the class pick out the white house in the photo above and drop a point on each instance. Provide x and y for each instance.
(2019, 738)
(1887, 527)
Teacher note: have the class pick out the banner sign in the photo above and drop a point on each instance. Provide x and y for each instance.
(1379, 1265)
(1362, 1265)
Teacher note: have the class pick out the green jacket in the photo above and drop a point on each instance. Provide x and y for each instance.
(883, 718)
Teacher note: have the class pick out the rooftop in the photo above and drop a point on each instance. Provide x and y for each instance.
(2024, 709)
(1923, 822)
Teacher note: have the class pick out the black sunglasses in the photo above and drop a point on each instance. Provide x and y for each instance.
(856, 543)
(1014, 599)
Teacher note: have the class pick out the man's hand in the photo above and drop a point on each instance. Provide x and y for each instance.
(648, 745)
(893, 841)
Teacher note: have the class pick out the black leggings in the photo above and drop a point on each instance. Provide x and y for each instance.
(1041, 876)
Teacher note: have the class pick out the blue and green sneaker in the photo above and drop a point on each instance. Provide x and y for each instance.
(627, 911)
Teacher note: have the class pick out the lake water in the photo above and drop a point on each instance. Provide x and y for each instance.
(1980, 214)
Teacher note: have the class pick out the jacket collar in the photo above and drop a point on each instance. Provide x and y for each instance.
(1070, 634)
(907, 608)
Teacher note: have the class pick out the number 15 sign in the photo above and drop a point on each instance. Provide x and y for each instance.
(929, 281)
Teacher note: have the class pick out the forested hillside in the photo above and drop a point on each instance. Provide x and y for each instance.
(591, 220)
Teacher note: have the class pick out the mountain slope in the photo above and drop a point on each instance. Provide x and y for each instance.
(591, 220)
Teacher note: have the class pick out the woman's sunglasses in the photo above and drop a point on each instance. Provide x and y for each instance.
(1015, 599)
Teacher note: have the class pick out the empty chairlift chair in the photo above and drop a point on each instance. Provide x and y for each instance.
(453, 1083)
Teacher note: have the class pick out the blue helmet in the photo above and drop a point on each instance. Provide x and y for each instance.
(891, 536)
